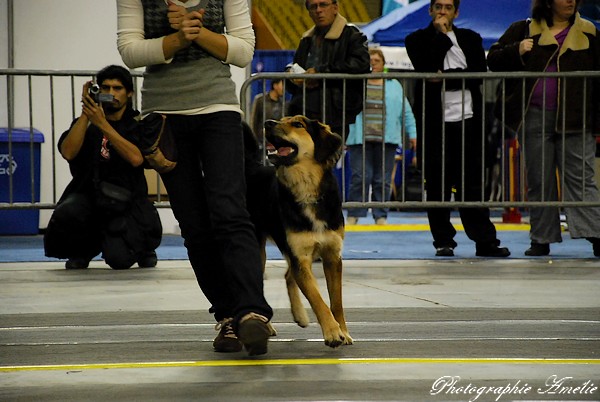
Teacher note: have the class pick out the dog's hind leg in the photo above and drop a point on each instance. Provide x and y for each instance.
(298, 311)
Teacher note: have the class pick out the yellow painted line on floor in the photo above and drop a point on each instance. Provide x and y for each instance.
(423, 227)
(296, 362)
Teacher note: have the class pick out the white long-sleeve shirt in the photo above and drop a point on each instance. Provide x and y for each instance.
(192, 86)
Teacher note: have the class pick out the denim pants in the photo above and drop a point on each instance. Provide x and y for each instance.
(207, 192)
(543, 150)
(374, 179)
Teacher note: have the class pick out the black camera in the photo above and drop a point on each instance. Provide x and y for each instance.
(98, 96)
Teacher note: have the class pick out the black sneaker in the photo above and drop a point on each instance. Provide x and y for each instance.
(77, 263)
(147, 260)
(538, 249)
(254, 331)
(444, 252)
(492, 251)
(226, 341)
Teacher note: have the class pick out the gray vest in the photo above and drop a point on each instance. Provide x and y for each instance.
(194, 78)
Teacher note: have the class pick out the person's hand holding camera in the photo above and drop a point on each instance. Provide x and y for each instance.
(90, 109)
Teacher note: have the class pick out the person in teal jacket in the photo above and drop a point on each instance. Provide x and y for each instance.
(386, 121)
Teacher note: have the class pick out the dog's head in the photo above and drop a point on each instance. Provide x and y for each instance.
(293, 139)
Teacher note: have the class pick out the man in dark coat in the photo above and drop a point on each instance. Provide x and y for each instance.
(105, 208)
(331, 46)
(452, 129)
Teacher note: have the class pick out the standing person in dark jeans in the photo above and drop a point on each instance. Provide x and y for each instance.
(102, 150)
(331, 46)
(187, 53)
(556, 112)
(444, 48)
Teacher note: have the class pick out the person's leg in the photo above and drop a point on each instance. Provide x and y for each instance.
(538, 147)
(469, 177)
(579, 184)
(225, 193)
(185, 186)
(72, 231)
(117, 251)
(383, 164)
(207, 194)
(438, 188)
(358, 181)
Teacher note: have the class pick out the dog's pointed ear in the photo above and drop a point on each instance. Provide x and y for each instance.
(329, 150)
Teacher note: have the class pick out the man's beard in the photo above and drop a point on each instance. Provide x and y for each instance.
(111, 107)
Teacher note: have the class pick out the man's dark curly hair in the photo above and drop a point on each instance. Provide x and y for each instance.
(114, 72)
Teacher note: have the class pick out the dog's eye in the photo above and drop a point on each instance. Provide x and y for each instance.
(297, 124)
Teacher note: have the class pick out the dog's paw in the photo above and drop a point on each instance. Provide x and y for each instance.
(348, 339)
(335, 339)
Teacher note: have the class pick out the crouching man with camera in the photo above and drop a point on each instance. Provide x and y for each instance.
(105, 208)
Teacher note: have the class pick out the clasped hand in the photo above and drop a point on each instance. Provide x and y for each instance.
(187, 23)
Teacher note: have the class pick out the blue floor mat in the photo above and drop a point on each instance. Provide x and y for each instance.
(358, 245)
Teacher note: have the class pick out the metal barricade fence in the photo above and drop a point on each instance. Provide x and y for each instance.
(44, 101)
(47, 101)
(504, 179)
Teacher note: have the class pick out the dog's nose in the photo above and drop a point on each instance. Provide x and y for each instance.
(270, 123)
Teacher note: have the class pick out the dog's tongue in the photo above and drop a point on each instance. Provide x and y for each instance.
(284, 151)
(281, 151)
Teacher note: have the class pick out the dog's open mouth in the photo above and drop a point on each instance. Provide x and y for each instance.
(278, 148)
(281, 151)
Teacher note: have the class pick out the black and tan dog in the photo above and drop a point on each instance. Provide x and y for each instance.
(300, 209)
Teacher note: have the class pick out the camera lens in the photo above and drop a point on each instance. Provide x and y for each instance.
(94, 89)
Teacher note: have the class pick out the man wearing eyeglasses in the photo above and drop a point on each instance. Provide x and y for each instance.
(452, 138)
(331, 46)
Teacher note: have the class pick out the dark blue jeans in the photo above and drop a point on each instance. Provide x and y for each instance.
(373, 182)
(207, 192)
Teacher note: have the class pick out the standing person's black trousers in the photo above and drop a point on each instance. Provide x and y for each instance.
(445, 170)
(207, 193)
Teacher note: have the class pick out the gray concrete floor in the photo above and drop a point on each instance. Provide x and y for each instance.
(145, 335)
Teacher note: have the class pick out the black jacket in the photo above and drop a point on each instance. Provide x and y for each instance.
(580, 52)
(345, 51)
(427, 49)
(89, 164)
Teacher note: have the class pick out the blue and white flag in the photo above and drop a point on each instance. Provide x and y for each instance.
(391, 5)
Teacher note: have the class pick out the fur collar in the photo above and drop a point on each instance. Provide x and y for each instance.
(576, 38)
(335, 31)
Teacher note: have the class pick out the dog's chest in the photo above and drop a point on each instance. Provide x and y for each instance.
(304, 212)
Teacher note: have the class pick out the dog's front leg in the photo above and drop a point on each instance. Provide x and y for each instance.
(332, 333)
(298, 310)
(332, 266)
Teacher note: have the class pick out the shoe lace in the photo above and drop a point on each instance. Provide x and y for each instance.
(225, 326)
(254, 316)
